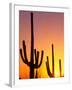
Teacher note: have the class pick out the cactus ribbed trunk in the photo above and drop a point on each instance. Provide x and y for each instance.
(32, 48)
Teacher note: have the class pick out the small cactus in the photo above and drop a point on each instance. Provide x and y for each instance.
(60, 68)
(51, 74)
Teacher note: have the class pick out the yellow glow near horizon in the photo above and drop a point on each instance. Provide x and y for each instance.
(48, 30)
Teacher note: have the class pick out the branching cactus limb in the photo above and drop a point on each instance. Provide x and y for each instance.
(37, 54)
(48, 68)
(51, 74)
(23, 53)
(37, 59)
(36, 76)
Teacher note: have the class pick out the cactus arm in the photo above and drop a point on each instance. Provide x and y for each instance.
(42, 54)
(24, 49)
(36, 74)
(26, 62)
(48, 68)
(35, 53)
(36, 56)
(22, 56)
(24, 59)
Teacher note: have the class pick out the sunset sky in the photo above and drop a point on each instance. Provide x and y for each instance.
(48, 30)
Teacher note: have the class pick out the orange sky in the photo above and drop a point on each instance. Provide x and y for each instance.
(48, 29)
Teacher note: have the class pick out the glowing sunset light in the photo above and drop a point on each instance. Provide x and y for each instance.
(48, 28)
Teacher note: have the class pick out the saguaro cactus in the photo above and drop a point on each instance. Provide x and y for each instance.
(60, 68)
(33, 65)
(51, 74)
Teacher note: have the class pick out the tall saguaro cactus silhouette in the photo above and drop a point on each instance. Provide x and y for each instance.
(51, 74)
(33, 65)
